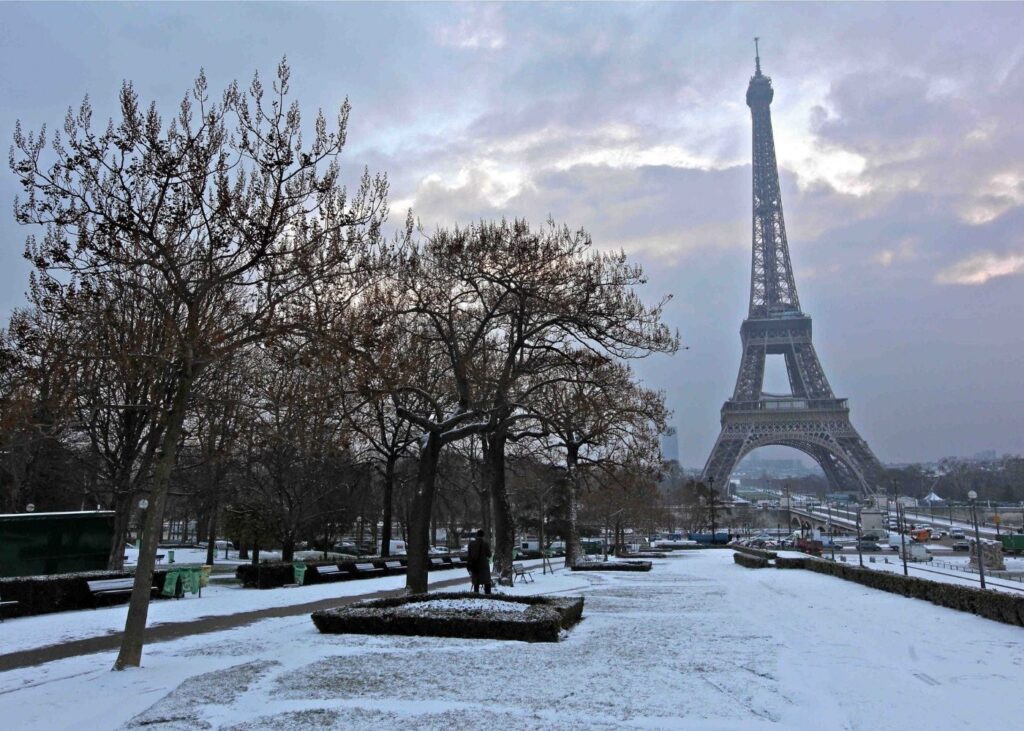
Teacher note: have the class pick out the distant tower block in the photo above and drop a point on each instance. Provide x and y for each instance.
(810, 418)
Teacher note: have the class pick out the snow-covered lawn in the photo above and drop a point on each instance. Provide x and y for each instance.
(697, 643)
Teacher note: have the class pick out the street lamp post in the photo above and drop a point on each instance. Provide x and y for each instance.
(544, 562)
(901, 527)
(860, 554)
(973, 496)
(711, 490)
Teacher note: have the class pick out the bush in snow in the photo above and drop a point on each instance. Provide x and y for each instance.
(464, 614)
(751, 562)
(791, 563)
(61, 592)
(613, 566)
(753, 551)
(1001, 607)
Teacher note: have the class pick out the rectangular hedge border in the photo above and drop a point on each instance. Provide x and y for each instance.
(546, 617)
(994, 605)
(751, 562)
(753, 551)
(791, 563)
(275, 574)
(613, 566)
(62, 592)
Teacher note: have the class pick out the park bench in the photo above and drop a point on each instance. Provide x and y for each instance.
(437, 563)
(110, 587)
(521, 572)
(458, 561)
(367, 568)
(8, 603)
(394, 566)
(331, 571)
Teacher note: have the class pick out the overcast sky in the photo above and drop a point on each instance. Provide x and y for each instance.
(898, 132)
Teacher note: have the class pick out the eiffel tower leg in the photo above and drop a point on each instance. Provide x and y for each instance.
(727, 452)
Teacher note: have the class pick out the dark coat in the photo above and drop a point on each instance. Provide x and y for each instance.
(479, 568)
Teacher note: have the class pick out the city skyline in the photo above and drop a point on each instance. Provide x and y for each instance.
(900, 158)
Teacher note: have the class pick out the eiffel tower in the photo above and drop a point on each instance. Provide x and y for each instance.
(810, 418)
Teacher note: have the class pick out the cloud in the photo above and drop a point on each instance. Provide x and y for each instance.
(481, 28)
(980, 268)
(904, 251)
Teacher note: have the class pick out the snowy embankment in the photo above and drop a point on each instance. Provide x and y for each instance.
(697, 643)
(949, 570)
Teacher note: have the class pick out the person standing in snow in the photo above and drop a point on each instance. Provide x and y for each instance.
(479, 563)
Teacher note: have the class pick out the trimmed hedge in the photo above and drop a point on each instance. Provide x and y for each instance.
(542, 621)
(613, 566)
(994, 605)
(62, 592)
(791, 563)
(753, 551)
(645, 554)
(275, 574)
(751, 562)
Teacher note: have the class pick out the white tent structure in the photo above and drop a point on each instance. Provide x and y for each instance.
(932, 499)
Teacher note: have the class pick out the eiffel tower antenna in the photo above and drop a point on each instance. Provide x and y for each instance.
(810, 418)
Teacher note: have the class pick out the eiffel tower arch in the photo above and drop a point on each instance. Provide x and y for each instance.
(810, 418)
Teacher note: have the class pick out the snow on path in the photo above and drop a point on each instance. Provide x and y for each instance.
(697, 643)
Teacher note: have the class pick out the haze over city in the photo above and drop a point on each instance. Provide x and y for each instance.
(901, 157)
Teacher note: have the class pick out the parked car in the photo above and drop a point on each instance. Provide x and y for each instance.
(865, 545)
(961, 545)
(439, 550)
(349, 549)
(957, 534)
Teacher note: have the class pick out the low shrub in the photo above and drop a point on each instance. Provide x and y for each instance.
(1007, 608)
(791, 563)
(275, 574)
(542, 621)
(62, 592)
(753, 551)
(751, 562)
(612, 566)
(645, 554)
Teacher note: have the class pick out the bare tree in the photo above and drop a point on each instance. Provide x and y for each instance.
(225, 219)
(599, 416)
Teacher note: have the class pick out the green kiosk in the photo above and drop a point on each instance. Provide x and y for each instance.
(34, 544)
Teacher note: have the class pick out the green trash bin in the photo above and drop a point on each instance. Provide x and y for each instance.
(300, 572)
(172, 584)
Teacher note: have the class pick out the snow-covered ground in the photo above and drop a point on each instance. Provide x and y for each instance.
(696, 643)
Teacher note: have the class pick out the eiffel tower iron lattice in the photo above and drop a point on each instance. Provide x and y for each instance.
(811, 418)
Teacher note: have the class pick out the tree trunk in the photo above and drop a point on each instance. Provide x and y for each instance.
(288, 549)
(211, 538)
(504, 523)
(418, 544)
(388, 488)
(122, 517)
(256, 552)
(243, 549)
(130, 654)
(573, 548)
